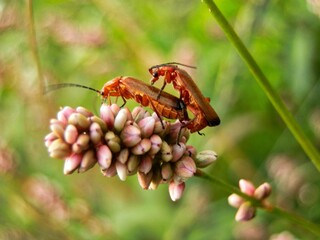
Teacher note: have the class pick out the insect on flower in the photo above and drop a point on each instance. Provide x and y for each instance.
(164, 104)
(190, 94)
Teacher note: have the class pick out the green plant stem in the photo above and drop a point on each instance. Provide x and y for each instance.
(274, 98)
(33, 44)
(313, 228)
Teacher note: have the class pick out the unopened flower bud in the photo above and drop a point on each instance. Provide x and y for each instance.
(166, 152)
(176, 190)
(113, 141)
(205, 158)
(263, 191)
(80, 121)
(107, 115)
(138, 113)
(133, 163)
(101, 123)
(49, 138)
(191, 151)
(146, 125)
(111, 171)
(72, 163)
(166, 171)
(120, 120)
(96, 133)
(123, 155)
(145, 164)
(85, 112)
(64, 114)
(245, 212)
(104, 156)
(185, 168)
(70, 134)
(115, 109)
(246, 187)
(156, 178)
(88, 161)
(177, 151)
(121, 170)
(145, 179)
(156, 143)
(81, 144)
(142, 147)
(57, 127)
(130, 136)
(59, 149)
(235, 200)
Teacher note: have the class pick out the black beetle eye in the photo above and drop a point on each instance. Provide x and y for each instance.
(155, 74)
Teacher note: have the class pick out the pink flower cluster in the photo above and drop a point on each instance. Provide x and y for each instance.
(246, 210)
(125, 143)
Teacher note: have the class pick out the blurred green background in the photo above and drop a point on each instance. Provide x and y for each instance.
(91, 42)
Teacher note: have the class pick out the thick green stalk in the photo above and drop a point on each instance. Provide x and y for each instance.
(274, 98)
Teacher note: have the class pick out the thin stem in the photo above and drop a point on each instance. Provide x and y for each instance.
(33, 43)
(264, 83)
(315, 229)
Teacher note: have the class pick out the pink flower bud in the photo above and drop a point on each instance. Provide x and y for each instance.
(64, 114)
(130, 136)
(123, 155)
(80, 121)
(70, 134)
(145, 179)
(133, 163)
(88, 161)
(235, 201)
(176, 190)
(156, 143)
(49, 138)
(138, 113)
(96, 133)
(263, 191)
(59, 149)
(102, 124)
(57, 127)
(81, 144)
(191, 151)
(246, 187)
(146, 125)
(178, 151)
(113, 141)
(115, 109)
(121, 170)
(72, 163)
(107, 115)
(120, 120)
(205, 158)
(166, 171)
(85, 112)
(185, 168)
(145, 164)
(104, 156)
(142, 147)
(245, 212)
(166, 152)
(156, 178)
(111, 171)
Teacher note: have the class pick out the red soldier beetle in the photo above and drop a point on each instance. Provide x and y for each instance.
(190, 94)
(162, 103)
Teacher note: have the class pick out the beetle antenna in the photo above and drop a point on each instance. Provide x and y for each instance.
(53, 87)
(174, 63)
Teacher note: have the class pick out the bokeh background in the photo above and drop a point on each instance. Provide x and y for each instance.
(90, 42)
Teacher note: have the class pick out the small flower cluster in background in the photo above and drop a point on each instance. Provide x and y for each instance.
(126, 143)
(246, 211)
